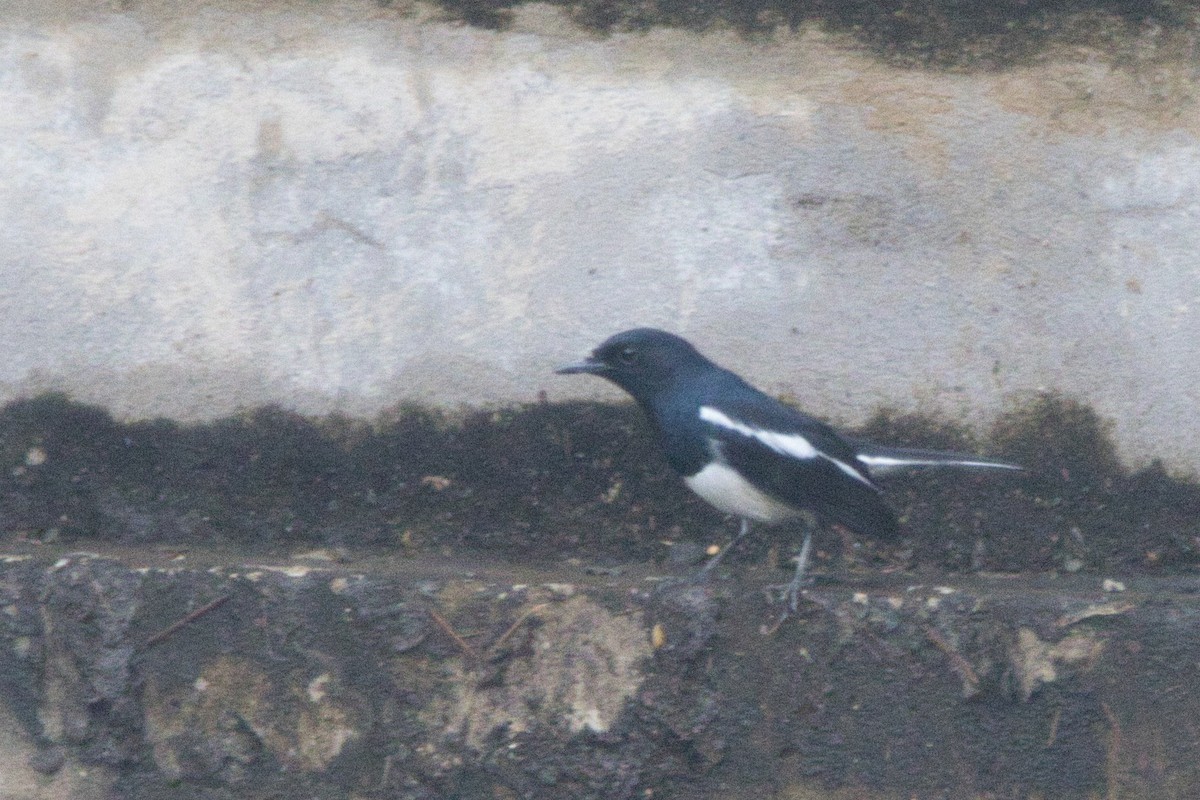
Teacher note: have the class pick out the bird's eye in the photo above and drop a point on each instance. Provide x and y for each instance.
(627, 355)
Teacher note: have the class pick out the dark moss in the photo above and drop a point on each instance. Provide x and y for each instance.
(542, 479)
(938, 33)
(547, 482)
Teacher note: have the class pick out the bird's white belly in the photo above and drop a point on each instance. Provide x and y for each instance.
(728, 491)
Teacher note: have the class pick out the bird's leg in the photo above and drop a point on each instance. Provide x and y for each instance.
(792, 592)
(712, 562)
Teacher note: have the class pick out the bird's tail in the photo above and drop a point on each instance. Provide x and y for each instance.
(882, 460)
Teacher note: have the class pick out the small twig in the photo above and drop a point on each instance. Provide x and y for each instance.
(959, 664)
(1097, 610)
(187, 620)
(1053, 737)
(458, 640)
(513, 628)
(387, 771)
(1113, 754)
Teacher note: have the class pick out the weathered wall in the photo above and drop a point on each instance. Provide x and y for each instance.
(343, 205)
(196, 682)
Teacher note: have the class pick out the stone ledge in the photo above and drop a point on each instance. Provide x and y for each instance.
(417, 678)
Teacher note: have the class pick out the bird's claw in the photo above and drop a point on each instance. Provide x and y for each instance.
(786, 593)
(789, 593)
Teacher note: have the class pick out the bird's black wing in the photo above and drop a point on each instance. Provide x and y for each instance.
(796, 459)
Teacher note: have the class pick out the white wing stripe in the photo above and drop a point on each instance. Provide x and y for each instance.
(788, 444)
(793, 445)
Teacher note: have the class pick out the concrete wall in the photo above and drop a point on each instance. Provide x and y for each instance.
(339, 206)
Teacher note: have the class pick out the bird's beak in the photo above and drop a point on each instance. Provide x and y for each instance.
(589, 366)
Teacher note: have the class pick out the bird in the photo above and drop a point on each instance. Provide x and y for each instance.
(750, 455)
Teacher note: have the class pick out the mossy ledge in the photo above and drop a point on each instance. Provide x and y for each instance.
(550, 482)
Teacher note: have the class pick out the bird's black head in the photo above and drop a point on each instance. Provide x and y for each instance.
(641, 361)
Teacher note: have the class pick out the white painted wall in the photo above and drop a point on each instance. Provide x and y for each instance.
(341, 206)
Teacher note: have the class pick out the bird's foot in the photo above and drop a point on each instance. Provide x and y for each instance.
(787, 593)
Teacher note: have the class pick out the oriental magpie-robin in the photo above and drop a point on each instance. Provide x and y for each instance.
(748, 454)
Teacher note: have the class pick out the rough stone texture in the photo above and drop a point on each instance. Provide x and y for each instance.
(337, 682)
(337, 206)
(500, 606)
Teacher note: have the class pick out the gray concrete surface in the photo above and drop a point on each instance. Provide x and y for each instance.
(341, 206)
